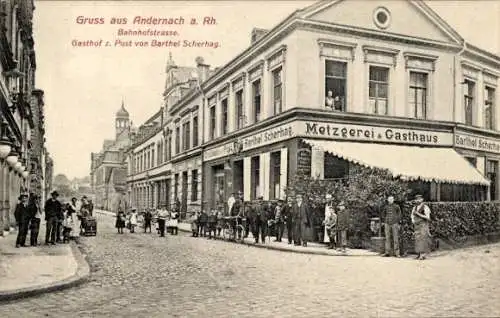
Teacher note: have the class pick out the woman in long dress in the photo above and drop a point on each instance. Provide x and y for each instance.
(421, 217)
(72, 209)
(328, 212)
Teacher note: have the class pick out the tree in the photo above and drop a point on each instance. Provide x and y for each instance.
(60, 180)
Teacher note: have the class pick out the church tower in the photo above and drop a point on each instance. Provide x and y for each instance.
(122, 120)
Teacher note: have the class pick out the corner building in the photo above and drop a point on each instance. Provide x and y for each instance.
(385, 84)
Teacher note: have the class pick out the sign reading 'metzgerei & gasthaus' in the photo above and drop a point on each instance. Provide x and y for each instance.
(377, 134)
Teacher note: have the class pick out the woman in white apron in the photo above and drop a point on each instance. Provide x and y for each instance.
(328, 212)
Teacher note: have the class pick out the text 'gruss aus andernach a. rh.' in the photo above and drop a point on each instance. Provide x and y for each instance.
(146, 32)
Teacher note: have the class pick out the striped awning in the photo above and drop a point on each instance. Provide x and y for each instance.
(411, 163)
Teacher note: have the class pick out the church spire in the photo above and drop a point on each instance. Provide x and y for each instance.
(170, 62)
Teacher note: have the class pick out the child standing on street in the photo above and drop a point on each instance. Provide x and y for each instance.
(120, 222)
(212, 223)
(194, 224)
(67, 224)
(220, 222)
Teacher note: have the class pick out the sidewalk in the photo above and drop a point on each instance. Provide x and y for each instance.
(312, 248)
(29, 271)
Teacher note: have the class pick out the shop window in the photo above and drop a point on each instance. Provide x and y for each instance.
(335, 167)
(275, 174)
(194, 185)
(418, 94)
(224, 117)
(492, 175)
(240, 118)
(489, 108)
(177, 140)
(278, 90)
(256, 100)
(378, 89)
(469, 101)
(219, 185)
(168, 192)
(335, 84)
(212, 122)
(195, 131)
(255, 178)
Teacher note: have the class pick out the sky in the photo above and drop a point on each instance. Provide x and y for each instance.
(85, 86)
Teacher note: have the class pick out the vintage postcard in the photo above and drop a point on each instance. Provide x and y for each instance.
(329, 158)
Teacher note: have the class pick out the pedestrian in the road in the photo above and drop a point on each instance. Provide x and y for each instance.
(288, 219)
(162, 218)
(421, 218)
(342, 225)
(194, 224)
(392, 219)
(202, 223)
(259, 221)
(22, 215)
(133, 220)
(304, 219)
(36, 216)
(148, 216)
(212, 223)
(279, 221)
(73, 209)
(60, 227)
(220, 222)
(52, 209)
(120, 221)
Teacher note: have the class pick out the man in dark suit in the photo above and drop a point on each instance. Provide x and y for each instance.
(288, 219)
(53, 209)
(303, 221)
(23, 217)
(259, 221)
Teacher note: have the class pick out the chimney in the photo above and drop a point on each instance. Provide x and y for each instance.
(257, 33)
(203, 69)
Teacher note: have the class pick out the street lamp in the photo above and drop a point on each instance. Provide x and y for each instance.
(12, 158)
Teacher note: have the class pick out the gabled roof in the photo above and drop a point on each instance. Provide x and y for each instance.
(418, 4)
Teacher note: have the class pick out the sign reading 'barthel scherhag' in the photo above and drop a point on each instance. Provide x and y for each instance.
(477, 143)
(376, 134)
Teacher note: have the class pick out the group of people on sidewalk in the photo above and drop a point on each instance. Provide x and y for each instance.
(265, 220)
(61, 222)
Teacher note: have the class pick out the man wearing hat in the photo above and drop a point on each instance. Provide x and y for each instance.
(342, 224)
(259, 221)
(22, 216)
(53, 209)
(392, 219)
(303, 221)
(279, 220)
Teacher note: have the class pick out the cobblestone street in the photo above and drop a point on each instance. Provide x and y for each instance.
(143, 275)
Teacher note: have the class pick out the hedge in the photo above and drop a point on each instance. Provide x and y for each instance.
(456, 221)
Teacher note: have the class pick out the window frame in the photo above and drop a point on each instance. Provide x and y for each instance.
(489, 103)
(345, 64)
(414, 105)
(240, 108)
(194, 184)
(212, 115)
(277, 70)
(377, 84)
(256, 118)
(469, 95)
(195, 131)
(224, 104)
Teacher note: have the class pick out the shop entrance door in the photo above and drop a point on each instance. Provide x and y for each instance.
(238, 176)
(184, 192)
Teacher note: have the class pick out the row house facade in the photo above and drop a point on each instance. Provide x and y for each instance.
(341, 83)
(22, 155)
(108, 171)
(165, 164)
